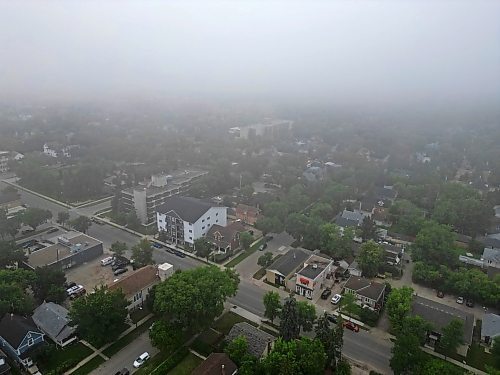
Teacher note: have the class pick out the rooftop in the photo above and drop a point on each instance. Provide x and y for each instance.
(314, 266)
(137, 281)
(53, 320)
(53, 253)
(491, 254)
(223, 236)
(365, 287)
(491, 325)
(257, 340)
(440, 315)
(290, 261)
(187, 208)
(213, 365)
(13, 328)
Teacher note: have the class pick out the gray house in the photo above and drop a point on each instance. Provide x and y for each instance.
(52, 319)
(259, 342)
(490, 328)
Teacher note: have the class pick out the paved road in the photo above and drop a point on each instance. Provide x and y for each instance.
(362, 346)
(125, 357)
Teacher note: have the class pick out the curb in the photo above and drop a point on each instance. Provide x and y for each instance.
(68, 206)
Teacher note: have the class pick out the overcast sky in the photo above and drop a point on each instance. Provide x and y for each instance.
(339, 50)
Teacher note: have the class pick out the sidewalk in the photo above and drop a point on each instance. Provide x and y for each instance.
(455, 362)
(99, 351)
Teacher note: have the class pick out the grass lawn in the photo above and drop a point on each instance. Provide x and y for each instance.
(89, 366)
(188, 364)
(138, 314)
(63, 359)
(228, 320)
(128, 338)
(207, 342)
(478, 358)
(245, 254)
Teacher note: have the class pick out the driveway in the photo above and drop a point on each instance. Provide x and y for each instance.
(126, 356)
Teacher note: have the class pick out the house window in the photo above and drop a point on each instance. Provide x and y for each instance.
(203, 221)
(30, 342)
(216, 214)
(208, 218)
(202, 227)
(217, 220)
(190, 231)
(190, 238)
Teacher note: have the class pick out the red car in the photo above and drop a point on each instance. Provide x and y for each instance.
(350, 325)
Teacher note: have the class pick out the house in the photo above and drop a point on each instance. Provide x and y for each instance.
(4, 366)
(52, 319)
(247, 214)
(259, 342)
(182, 220)
(19, 338)
(490, 328)
(349, 219)
(145, 199)
(393, 254)
(491, 257)
(368, 293)
(216, 364)
(280, 271)
(69, 250)
(440, 315)
(386, 193)
(354, 269)
(312, 276)
(225, 240)
(137, 285)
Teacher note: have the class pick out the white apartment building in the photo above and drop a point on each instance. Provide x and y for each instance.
(183, 219)
(55, 151)
(6, 157)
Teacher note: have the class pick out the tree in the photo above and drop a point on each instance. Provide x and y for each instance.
(194, 298)
(336, 242)
(119, 248)
(10, 254)
(265, 260)
(296, 224)
(495, 351)
(370, 258)
(133, 221)
(452, 336)
(332, 339)
(307, 315)
(406, 217)
(99, 316)
(62, 217)
(348, 303)
(436, 366)
(322, 210)
(8, 227)
(434, 245)
(398, 306)
(142, 253)
(237, 350)
(416, 326)
(202, 247)
(14, 299)
(289, 320)
(269, 225)
(406, 355)
(81, 224)
(49, 285)
(302, 356)
(246, 240)
(369, 230)
(35, 216)
(165, 335)
(272, 304)
(247, 191)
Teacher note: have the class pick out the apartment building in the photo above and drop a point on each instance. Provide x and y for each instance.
(56, 150)
(6, 157)
(182, 220)
(146, 198)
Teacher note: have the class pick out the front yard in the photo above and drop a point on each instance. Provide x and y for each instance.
(188, 364)
(57, 360)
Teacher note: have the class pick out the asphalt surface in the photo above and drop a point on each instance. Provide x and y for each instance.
(361, 346)
(126, 357)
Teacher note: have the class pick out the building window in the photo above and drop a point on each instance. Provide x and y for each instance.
(208, 218)
(190, 238)
(190, 231)
(217, 220)
(216, 214)
(202, 228)
(203, 220)
(30, 342)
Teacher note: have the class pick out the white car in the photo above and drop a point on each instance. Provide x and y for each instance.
(74, 289)
(142, 358)
(460, 300)
(336, 299)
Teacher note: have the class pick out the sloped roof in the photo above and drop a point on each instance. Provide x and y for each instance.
(248, 209)
(13, 328)
(365, 287)
(491, 325)
(228, 232)
(491, 254)
(213, 365)
(290, 261)
(137, 281)
(440, 315)
(53, 320)
(257, 340)
(189, 209)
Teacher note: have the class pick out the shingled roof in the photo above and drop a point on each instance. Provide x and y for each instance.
(257, 340)
(53, 320)
(137, 281)
(187, 208)
(13, 328)
(213, 365)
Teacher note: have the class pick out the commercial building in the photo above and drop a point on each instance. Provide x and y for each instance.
(146, 198)
(137, 285)
(283, 268)
(182, 220)
(69, 250)
(311, 278)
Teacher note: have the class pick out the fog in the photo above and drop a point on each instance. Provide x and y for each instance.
(343, 51)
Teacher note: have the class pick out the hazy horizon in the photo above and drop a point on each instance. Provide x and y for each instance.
(388, 52)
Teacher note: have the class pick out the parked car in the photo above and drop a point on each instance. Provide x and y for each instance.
(180, 254)
(119, 265)
(331, 318)
(269, 238)
(169, 250)
(119, 271)
(26, 231)
(157, 245)
(336, 299)
(469, 302)
(123, 372)
(80, 292)
(73, 289)
(263, 246)
(52, 230)
(460, 300)
(352, 326)
(141, 359)
(69, 284)
(440, 294)
(106, 261)
(326, 293)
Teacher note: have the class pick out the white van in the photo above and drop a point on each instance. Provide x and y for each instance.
(106, 261)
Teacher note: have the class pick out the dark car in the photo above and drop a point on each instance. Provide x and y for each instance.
(180, 254)
(469, 303)
(118, 265)
(119, 271)
(331, 318)
(123, 372)
(269, 238)
(169, 250)
(326, 293)
(69, 284)
(352, 326)
(52, 230)
(263, 247)
(157, 245)
(440, 294)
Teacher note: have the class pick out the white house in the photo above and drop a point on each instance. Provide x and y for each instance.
(182, 220)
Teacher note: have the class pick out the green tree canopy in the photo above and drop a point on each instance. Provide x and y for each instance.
(246, 240)
(307, 315)
(62, 217)
(237, 350)
(10, 254)
(398, 306)
(165, 335)
(202, 247)
(142, 253)
(265, 259)
(407, 357)
(81, 224)
(452, 336)
(49, 284)
(434, 245)
(336, 242)
(194, 298)
(289, 320)
(119, 248)
(34, 217)
(272, 304)
(370, 258)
